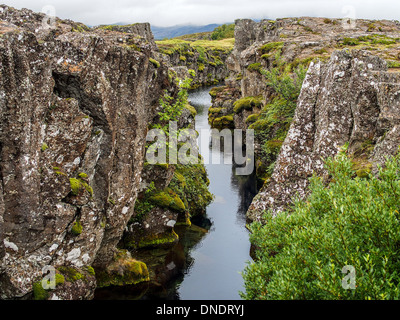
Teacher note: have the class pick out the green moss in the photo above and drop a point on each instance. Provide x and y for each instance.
(134, 47)
(88, 188)
(158, 240)
(155, 63)
(216, 90)
(107, 27)
(371, 27)
(168, 199)
(303, 62)
(362, 167)
(224, 122)
(83, 175)
(351, 42)
(252, 118)
(44, 147)
(191, 109)
(255, 67)
(90, 270)
(71, 274)
(39, 293)
(182, 58)
(77, 228)
(201, 67)
(60, 279)
(247, 103)
(393, 64)
(215, 110)
(125, 272)
(272, 46)
(192, 72)
(320, 51)
(190, 183)
(75, 186)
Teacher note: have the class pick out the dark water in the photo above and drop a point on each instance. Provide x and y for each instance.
(222, 254)
(207, 261)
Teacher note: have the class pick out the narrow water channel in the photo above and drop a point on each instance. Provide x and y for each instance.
(212, 253)
(222, 254)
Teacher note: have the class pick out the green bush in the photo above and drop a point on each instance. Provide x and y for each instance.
(225, 31)
(352, 221)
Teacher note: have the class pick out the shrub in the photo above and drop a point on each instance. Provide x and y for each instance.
(225, 31)
(354, 221)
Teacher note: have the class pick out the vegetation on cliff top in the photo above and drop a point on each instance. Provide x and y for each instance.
(352, 222)
(226, 31)
(172, 45)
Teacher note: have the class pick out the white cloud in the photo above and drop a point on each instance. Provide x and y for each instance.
(173, 12)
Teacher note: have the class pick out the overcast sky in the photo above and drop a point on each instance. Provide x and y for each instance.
(200, 12)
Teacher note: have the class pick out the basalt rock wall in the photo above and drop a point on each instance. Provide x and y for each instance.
(75, 110)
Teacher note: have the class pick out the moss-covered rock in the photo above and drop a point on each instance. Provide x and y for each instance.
(123, 271)
(77, 228)
(168, 199)
(224, 122)
(155, 63)
(248, 103)
(157, 240)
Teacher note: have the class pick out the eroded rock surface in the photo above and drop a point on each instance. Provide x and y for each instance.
(75, 108)
(352, 98)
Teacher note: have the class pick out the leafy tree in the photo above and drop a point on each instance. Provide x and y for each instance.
(225, 31)
(352, 221)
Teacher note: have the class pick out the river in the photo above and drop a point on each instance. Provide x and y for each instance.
(213, 261)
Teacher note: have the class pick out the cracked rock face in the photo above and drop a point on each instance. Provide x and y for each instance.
(75, 108)
(352, 98)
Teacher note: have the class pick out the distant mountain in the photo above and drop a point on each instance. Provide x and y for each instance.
(161, 33)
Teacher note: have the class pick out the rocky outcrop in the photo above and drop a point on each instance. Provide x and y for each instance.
(75, 109)
(286, 44)
(138, 29)
(299, 41)
(350, 99)
(204, 65)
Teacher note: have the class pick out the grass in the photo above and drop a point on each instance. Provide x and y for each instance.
(225, 44)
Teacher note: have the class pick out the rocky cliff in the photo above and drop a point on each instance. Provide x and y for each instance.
(202, 61)
(269, 52)
(76, 105)
(352, 99)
